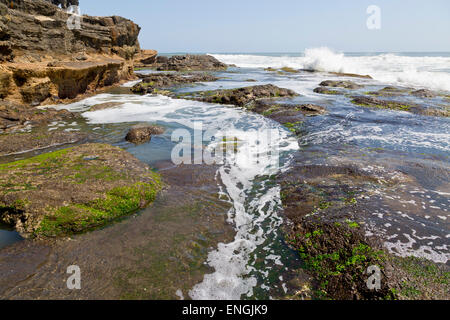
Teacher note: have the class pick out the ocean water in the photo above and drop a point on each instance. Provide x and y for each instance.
(421, 70)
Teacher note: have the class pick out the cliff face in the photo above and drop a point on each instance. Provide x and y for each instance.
(43, 58)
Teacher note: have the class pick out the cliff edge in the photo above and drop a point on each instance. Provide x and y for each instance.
(47, 53)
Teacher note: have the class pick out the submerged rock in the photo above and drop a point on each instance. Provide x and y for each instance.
(383, 104)
(289, 115)
(106, 105)
(74, 190)
(341, 84)
(142, 133)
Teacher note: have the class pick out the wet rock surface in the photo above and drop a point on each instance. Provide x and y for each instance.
(244, 96)
(189, 63)
(14, 117)
(164, 248)
(341, 84)
(106, 105)
(16, 143)
(330, 208)
(161, 250)
(73, 190)
(289, 115)
(371, 102)
(167, 80)
(143, 133)
(325, 90)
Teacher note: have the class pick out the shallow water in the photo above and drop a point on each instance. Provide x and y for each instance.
(255, 203)
(8, 236)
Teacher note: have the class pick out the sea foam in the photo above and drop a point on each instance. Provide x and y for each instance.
(416, 71)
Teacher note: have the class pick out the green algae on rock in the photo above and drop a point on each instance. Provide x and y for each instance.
(74, 190)
(150, 83)
(371, 102)
(382, 104)
(324, 90)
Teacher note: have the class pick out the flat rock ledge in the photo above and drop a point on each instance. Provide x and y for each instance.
(151, 83)
(371, 102)
(17, 143)
(14, 117)
(74, 190)
(189, 62)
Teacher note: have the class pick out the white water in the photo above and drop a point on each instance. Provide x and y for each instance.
(417, 71)
(254, 206)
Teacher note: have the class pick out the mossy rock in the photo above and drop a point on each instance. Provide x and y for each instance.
(74, 190)
(324, 90)
(371, 102)
(338, 255)
(244, 96)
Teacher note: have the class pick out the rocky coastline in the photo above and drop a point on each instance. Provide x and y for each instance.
(73, 184)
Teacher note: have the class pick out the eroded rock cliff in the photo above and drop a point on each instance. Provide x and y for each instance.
(46, 55)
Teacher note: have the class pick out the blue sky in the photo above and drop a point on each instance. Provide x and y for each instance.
(282, 25)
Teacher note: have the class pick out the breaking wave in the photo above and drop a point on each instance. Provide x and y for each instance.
(420, 71)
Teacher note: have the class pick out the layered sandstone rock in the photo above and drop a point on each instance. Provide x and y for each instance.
(45, 58)
(146, 58)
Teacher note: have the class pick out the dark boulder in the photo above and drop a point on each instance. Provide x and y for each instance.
(142, 133)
